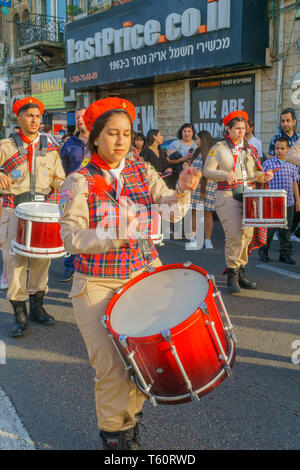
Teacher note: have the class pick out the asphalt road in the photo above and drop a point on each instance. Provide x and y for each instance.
(49, 382)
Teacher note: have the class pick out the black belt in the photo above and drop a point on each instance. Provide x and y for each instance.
(29, 197)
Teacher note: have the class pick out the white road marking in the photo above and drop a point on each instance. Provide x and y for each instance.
(13, 435)
(279, 271)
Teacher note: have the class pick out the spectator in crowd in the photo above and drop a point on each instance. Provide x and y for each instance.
(288, 124)
(73, 152)
(153, 153)
(205, 193)
(65, 137)
(138, 141)
(252, 139)
(285, 178)
(48, 130)
(17, 128)
(181, 150)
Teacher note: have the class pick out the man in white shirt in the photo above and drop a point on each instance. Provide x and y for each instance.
(252, 139)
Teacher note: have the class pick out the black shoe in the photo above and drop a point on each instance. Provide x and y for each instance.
(37, 312)
(285, 258)
(21, 318)
(122, 440)
(263, 255)
(67, 275)
(244, 282)
(233, 281)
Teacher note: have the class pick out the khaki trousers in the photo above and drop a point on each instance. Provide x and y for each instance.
(237, 240)
(117, 398)
(24, 275)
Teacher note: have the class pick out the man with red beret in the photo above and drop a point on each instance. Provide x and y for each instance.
(31, 170)
(230, 161)
(107, 257)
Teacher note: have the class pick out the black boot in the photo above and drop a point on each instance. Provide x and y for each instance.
(122, 440)
(21, 318)
(233, 281)
(243, 281)
(37, 312)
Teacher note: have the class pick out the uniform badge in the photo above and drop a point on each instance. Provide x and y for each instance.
(65, 196)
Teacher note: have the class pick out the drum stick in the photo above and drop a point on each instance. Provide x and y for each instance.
(276, 169)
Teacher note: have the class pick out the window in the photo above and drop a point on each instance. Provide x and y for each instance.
(16, 26)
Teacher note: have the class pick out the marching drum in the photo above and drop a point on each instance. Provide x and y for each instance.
(167, 328)
(38, 231)
(264, 208)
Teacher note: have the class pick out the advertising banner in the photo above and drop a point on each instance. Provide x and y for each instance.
(48, 87)
(212, 100)
(156, 37)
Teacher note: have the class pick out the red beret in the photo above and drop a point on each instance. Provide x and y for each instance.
(29, 99)
(234, 115)
(100, 107)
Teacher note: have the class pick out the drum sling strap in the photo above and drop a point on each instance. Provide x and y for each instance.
(143, 244)
(31, 195)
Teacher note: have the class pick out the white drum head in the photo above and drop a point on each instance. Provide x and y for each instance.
(42, 211)
(159, 302)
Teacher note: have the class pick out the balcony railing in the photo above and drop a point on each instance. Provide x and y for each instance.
(41, 28)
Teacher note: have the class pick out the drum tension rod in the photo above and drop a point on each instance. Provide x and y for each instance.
(211, 323)
(166, 334)
(130, 357)
(217, 293)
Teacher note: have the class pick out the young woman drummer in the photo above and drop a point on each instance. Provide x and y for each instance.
(229, 162)
(104, 264)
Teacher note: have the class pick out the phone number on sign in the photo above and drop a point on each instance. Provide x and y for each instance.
(84, 77)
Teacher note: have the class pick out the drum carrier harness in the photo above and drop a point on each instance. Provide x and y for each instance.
(31, 195)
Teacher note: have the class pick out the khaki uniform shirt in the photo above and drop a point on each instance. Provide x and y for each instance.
(48, 170)
(220, 162)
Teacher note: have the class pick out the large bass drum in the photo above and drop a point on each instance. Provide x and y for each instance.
(171, 328)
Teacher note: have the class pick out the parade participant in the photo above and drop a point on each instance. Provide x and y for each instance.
(103, 265)
(31, 171)
(285, 178)
(232, 161)
(73, 152)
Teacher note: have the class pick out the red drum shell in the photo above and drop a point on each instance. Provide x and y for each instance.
(265, 208)
(43, 234)
(195, 344)
(42, 220)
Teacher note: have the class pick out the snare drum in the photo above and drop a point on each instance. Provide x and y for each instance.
(167, 327)
(38, 231)
(265, 208)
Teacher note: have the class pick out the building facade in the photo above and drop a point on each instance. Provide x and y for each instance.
(190, 61)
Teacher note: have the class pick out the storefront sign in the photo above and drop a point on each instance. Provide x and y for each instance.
(156, 37)
(213, 99)
(49, 88)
